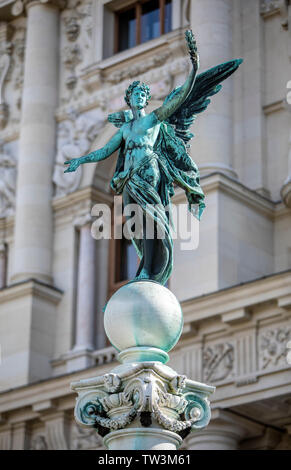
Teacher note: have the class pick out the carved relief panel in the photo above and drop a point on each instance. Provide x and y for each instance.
(76, 47)
(8, 171)
(218, 361)
(12, 46)
(75, 135)
(273, 347)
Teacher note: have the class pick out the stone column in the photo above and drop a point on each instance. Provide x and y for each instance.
(33, 220)
(224, 432)
(57, 426)
(85, 305)
(20, 432)
(286, 188)
(3, 265)
(211, 22)
(102, 257)
(5, 437)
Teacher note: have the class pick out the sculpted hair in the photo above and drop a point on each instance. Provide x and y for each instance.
(137, 84)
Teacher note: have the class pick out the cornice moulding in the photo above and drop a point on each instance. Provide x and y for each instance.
(30, 288)
(49, 389)
(219, 182)
(274, 287)
(86, 194)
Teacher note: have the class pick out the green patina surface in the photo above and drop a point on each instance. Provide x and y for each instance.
(153, 157)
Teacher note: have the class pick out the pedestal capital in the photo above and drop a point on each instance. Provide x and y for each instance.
(146, 402)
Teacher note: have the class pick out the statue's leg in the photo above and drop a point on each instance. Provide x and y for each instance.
(152, 254)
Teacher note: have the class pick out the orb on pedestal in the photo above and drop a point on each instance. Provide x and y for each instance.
(143, 321)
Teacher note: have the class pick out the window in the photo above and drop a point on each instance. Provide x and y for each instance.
(141, 22)
(123, 262)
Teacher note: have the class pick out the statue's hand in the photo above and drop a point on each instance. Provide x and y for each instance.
(74, 164)
(192, 48)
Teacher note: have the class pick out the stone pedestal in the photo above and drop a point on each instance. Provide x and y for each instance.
(143, 404)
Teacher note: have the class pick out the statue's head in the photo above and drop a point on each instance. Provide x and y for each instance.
(137, 95)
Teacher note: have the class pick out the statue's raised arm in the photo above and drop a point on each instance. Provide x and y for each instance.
(179, 96)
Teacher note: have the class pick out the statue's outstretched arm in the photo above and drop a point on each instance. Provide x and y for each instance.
(97, 155)
(168, 108)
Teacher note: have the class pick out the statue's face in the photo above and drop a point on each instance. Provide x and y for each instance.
(138, 98)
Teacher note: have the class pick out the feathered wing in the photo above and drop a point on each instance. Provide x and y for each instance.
(206, 85)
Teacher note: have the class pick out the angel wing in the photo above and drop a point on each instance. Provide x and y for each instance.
(206, 85)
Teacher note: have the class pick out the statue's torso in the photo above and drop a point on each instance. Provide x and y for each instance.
(139, 142)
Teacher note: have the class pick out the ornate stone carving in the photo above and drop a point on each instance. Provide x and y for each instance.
(149, 392)
(72, 27)
(39, 443)
(74, 138)
(83, 439)
(11, 73)
(72, 56)
(273, 347)
(177, 384)
(77, 21)
(7, 182)
(218, 360)
(269, 7)
(18, 72)
(138, 68)
(6, 31)
(112, 383)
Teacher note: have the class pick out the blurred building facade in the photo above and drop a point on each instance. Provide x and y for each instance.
(64, 66)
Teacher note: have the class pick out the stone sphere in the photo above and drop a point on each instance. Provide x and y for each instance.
(143, 313)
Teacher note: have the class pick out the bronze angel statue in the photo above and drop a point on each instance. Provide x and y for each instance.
(153, 157)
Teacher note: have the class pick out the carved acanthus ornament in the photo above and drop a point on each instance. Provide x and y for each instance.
(75, 136)
(151, 394)
(6, 32)
(8, 168)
